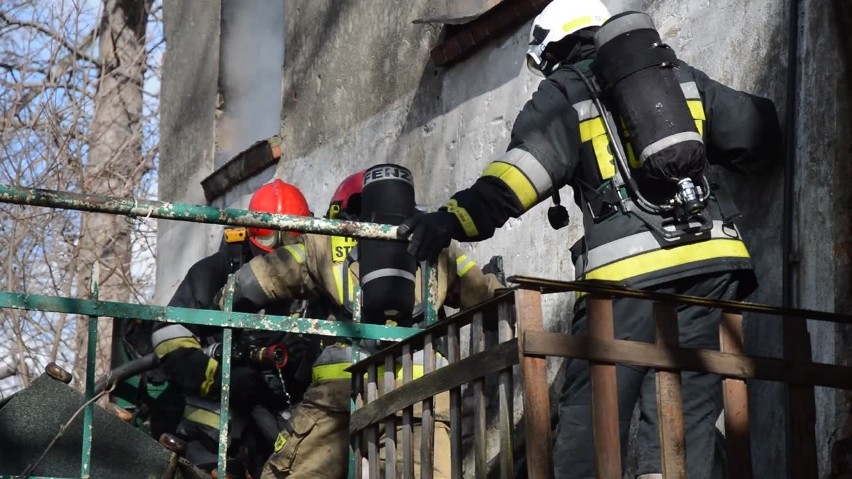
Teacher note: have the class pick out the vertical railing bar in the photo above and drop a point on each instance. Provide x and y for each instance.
(407, 417)
(372, 431)
(604, 395)
(533, 371)
(505, 333)
(91, 371)
(390, 422)
(669, 398)
(454, 355)
(477, 337)
(427, 421)
(225, 397)
(356, 454)
(737, 440)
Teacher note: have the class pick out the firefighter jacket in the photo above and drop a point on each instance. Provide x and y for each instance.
(558, 139)
(327, 267)
(179, 346)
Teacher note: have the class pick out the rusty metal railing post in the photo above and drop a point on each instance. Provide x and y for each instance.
(506, 412)
(225, 395)
(480, 446)
(390, 422)
(737, 440)
(669, 398)
(604, 394)
(91, 371)
(454, 356)
(407, 417)
(536, 392)
(372, 431)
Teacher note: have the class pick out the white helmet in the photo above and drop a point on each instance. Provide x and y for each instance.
(559, 19)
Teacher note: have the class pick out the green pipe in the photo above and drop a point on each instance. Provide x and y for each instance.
(192, 213)
(225, 396)
(91, 357)
(203, 317)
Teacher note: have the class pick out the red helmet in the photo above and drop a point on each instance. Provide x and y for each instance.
(280, 198)
(347, 196)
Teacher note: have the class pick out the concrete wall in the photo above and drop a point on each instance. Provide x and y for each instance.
(187, 132)
(359, 89)
(221, 84)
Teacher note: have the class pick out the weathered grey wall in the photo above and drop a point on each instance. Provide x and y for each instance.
(359, 89)
(251, 72)
(187, 135)
(822, 196)
(221, 87)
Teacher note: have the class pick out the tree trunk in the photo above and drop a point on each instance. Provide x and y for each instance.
(115, 165)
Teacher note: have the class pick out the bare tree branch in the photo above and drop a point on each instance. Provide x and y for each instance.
(78, 52)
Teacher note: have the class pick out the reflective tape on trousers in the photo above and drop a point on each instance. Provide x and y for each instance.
(637, 244)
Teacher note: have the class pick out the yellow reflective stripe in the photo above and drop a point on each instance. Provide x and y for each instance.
(667, 258)
(298, 252)
(577, 24)
(463, 265)
(696, 108)
(593, 130)
(170, 345)
(515, 180)
(209, 377)
(338, 282)
(201, 416)
(464, 218)
(280, 441)
(326, 372)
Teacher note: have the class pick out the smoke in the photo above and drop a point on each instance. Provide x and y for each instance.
(251, 73)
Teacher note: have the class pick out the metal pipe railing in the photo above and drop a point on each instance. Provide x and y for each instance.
(192, 213)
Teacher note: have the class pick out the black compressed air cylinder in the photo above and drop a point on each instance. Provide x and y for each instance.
(638, 73)
(387, 271)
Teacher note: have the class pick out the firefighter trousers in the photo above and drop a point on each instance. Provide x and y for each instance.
(634, 320)
(318, 445)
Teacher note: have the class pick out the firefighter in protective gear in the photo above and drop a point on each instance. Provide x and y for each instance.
(327, 267)
(559, 139)
(186, 351)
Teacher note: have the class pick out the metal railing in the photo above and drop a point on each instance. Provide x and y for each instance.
(385, 400)
(226, 318)
(801, 374)
(387, 394)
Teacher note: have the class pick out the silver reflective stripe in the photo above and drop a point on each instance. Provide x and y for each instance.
(385, 272)
(668, 141)
(690, 90)
(171, 331)
(337, 353)
(623, 24)
(530, 167)
(638, 244)
(586, 110)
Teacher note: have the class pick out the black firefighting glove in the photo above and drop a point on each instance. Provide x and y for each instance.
(495, 267)
(430, 233)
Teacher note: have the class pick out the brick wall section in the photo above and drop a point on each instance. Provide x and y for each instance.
(463, 40)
